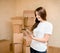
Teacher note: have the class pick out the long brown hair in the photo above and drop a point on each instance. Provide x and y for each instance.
(42, 13)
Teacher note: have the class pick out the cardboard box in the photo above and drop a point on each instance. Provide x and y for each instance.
(17, 20)
(26, 44)
(29, 21)
(17, 48)
(17, 24)
(28, 13)
(20, 22)
(26, 49)
(28, 27)
(18, 38)
(17, 28)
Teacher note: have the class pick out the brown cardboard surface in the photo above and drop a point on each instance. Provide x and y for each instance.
(28, 21)
(17, 48)
(17, 28)
(17, 38)
(26, 49)
(17, 20)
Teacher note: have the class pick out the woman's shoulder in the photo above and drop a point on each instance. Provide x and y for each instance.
(47, 23)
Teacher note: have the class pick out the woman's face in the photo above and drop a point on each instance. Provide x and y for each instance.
(38, 17)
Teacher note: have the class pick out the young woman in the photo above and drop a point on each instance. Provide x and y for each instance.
(42, 30)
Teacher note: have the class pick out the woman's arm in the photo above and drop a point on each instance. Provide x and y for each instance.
(28, 33)
(45, 39)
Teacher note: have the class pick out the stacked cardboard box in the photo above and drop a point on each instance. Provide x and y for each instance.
(29, 18)
(28, 13)
(17, 28)
(17, 48)
(18, 38)
(17, 24)
(17, 20)
(26, 46)
(26, 49)
(28, 21)
(17, 42)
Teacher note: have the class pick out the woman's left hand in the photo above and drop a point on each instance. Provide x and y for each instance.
(29, 32)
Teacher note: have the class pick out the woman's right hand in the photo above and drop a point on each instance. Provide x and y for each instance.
(29, 32)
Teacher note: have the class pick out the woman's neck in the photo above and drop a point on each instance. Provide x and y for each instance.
(43, 20)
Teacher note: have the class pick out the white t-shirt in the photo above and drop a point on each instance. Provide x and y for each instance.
(42, 28)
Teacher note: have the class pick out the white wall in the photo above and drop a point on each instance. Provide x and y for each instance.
(7, 10)
(54, 16)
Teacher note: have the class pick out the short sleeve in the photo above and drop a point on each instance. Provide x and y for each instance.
(48, 29)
